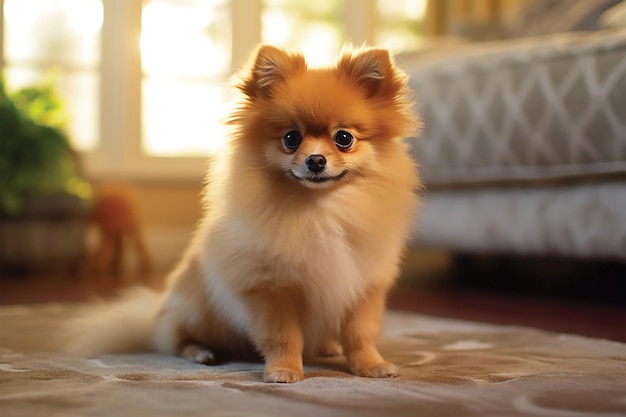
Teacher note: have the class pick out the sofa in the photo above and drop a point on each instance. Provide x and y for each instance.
(523, 145)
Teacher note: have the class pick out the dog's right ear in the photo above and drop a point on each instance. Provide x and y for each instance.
(269, 66)
(372, 70)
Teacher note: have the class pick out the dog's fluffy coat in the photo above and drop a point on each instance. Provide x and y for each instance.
(291, 259)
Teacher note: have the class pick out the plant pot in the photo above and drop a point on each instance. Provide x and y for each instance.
(48, 234)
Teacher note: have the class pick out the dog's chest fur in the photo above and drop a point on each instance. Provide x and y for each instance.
(309, 251)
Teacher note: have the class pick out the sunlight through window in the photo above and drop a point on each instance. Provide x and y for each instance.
(399, 24)
(306, 26)
(185, 51)
(58, 41)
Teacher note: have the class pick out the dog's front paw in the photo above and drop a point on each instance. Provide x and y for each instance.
(197, 354)
(381, 370)
(283, 375)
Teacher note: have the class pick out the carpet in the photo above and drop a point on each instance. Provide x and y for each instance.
(447, 368)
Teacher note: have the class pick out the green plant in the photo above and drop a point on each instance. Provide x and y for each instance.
(36, 158)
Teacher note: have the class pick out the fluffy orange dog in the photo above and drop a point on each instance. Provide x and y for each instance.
(307, 215)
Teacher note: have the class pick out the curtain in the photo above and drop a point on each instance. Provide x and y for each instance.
(460, 17)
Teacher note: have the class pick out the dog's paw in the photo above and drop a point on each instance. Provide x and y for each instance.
(198, 354)
(283, 375)
(381, 370)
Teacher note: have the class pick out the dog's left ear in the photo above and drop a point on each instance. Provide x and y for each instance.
(372, 70)
(269, 66)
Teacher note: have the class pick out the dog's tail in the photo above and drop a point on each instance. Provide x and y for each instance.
(124, 325)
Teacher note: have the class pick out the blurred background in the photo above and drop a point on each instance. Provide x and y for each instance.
(110, 108)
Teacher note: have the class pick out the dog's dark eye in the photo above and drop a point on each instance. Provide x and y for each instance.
(343, 139)
(292, 140)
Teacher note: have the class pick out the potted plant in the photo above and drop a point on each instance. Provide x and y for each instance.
(43, 197)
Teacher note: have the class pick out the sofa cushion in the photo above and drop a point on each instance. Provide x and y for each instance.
(532, 109)
(574, 220)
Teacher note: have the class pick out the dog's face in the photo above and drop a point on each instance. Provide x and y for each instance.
(324, 127)
(318, 130)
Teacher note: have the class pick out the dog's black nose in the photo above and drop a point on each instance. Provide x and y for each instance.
(316, 163)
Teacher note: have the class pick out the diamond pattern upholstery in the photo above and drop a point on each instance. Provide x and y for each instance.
(522, 110)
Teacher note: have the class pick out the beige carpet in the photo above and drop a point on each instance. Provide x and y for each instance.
(447, 368)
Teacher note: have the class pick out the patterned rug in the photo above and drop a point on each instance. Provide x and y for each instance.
(447, 368)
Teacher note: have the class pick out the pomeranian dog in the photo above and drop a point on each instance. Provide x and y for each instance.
(308, 211)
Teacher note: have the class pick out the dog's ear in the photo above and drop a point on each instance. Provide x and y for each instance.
(372, 70)
(269, 66)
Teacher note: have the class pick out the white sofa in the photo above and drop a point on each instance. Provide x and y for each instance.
(523, 148)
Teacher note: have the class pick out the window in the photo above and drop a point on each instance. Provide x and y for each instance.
(185, 51)
(57, 41)
(144, 81)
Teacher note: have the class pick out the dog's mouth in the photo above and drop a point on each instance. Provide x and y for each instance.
(319, 177)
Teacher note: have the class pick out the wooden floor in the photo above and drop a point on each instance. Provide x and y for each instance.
(561, 316)
(435, 296)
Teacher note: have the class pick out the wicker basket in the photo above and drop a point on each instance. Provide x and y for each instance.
(49, 232)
